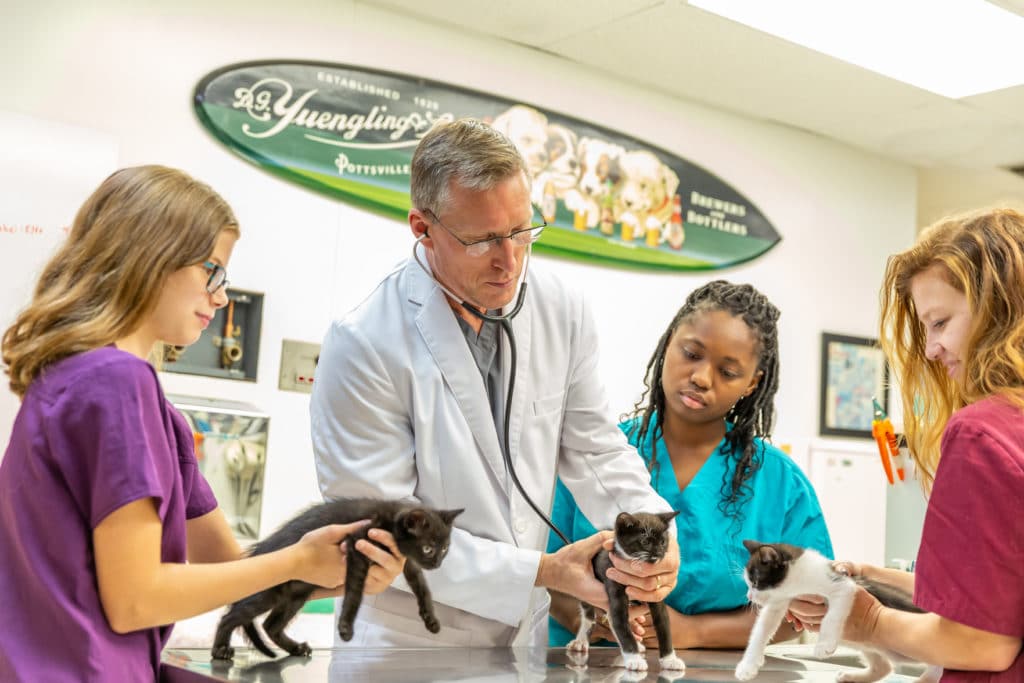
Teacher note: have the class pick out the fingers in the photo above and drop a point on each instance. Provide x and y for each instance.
(808, 608)
(593, 544)
(846, 568)
(806, 612)
(641, 585)
(385, 538)
(595, 594)
(336, 533)
(794, 621)
(378, 579)
(638, 628)
(603, 630)
(386, 556)
(640, 613)
(386, 563)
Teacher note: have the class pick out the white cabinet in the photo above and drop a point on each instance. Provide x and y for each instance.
(851, 488)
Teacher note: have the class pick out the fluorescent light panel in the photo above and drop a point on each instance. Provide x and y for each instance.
(955, 48)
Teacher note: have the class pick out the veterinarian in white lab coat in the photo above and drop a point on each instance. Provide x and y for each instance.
(409, 402)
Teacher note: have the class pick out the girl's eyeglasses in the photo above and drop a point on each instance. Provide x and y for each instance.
(218, 277)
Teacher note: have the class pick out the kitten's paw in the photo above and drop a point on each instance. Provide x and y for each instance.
(222, 652)
(577, 660)
(345, 631)
(825, 648)
(746, 670)
(301, 650)
(634, 662)
(673, 662)
(627, 676)
(577, 645)
(432, 624)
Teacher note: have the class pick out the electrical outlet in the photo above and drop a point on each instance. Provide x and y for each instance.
(298, 365)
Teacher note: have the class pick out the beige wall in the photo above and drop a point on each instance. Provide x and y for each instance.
(945, 191)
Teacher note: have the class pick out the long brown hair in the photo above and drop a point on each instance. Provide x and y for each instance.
(139, 226)
(980, 254)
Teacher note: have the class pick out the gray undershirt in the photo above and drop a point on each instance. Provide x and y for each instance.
(485, 348)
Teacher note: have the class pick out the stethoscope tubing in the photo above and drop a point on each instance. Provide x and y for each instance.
(505, 320)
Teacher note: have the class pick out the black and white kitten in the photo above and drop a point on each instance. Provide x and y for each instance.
(642, 537)
(421, 534)
(777, 573)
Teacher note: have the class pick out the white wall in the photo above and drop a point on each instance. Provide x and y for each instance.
(945, 191)
(130, 72)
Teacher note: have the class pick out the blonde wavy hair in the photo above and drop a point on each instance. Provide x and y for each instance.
(139, 226)
(981, 254)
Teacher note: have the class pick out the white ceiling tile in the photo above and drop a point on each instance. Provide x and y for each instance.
(530, 22)
(673, 48)
(1008, 103)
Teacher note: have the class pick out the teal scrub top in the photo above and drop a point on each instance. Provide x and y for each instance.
(782, 508)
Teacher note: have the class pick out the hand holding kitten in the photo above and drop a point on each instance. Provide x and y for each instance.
(569, 570)
(386, 565)
(319, 558)
(646, 582)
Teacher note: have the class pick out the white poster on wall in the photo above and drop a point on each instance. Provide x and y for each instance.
(47, 170)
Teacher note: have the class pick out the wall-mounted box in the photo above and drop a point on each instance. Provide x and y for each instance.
(231, 447)
(298, 365)
(229, 347)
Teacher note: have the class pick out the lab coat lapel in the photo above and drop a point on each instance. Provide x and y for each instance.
(447, 346)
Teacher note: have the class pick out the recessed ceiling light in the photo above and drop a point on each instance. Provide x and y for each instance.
(955, 48)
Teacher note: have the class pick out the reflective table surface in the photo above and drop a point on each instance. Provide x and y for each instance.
(784, 664)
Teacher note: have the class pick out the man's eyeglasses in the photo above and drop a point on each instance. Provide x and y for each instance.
(522, 237)
(218, 277)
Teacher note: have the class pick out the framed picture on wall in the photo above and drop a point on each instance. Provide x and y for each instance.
(853, 370)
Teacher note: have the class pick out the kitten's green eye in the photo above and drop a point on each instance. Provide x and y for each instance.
(428, 550)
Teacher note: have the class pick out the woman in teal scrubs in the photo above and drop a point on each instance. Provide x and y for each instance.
(700, 426)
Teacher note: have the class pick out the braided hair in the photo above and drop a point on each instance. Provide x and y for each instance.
(752, 416)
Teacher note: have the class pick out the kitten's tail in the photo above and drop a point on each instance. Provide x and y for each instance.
(257, 642)
(889, 595)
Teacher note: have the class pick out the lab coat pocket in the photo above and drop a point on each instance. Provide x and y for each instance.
(392, 620)
(548, 404)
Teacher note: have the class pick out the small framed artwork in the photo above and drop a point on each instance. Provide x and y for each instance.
(853, 370)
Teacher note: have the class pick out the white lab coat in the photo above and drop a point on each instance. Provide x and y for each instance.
(399, 410)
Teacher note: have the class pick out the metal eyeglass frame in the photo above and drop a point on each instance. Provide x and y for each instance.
(481, 247)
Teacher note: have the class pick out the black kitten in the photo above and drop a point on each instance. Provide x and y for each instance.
(640, 537)
(778, 573)
(421, 534)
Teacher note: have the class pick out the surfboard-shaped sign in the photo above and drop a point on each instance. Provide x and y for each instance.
(350, 133)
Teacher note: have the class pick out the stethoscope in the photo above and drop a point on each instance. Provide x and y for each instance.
(505, 320)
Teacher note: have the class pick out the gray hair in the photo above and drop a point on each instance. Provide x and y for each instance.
(466, 151)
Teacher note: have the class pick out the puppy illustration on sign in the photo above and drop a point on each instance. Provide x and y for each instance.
(598, 182)
(349, 132)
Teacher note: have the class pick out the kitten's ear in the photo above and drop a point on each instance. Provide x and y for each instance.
(626, 521)
(752, 546)
(668, 516)
(449, 515)
(414, 519)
